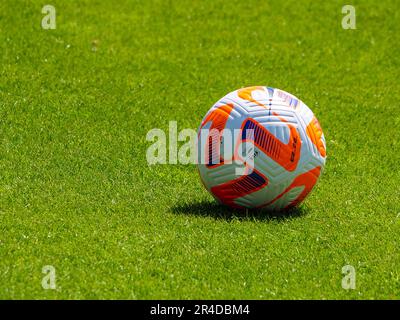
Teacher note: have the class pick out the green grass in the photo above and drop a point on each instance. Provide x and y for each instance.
(75, 188)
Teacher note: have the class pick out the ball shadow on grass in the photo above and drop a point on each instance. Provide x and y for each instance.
(220, 212)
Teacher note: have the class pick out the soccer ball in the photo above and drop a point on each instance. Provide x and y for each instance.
(260, 147)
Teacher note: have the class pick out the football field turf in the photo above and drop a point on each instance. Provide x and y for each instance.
(77, 193)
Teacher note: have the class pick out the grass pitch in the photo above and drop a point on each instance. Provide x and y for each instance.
(77, 193)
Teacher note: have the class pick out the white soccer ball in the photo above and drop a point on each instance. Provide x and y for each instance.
(260, 147)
